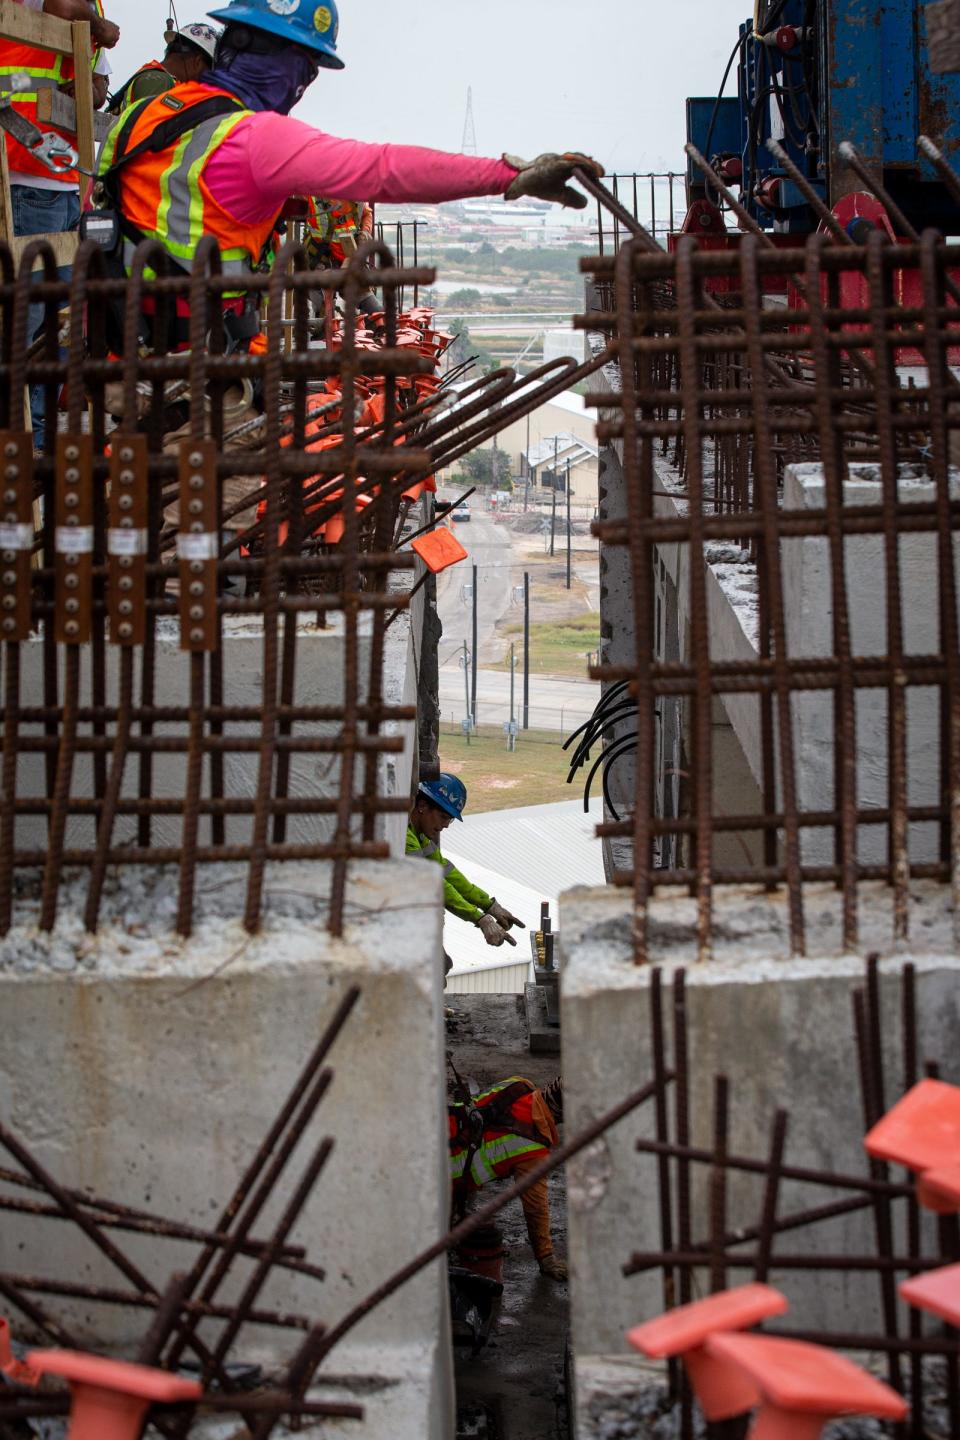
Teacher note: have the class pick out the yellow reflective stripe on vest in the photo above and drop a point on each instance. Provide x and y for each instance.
(491, 1154)
(180, 216)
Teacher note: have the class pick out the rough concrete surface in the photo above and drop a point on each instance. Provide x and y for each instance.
(320, 681)
(152, 1073)
(781, 1030)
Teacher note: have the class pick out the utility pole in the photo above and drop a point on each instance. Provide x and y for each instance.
(526, 469)
(569, 534)
(465, 662)
(526, 651)
(473, 692)
(553, 511)
(512, 740)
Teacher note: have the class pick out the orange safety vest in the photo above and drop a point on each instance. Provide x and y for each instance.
(25, 70)
(331, 221)
(164, 194)
(509, 1134)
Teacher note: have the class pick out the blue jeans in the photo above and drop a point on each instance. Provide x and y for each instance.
(42, 212)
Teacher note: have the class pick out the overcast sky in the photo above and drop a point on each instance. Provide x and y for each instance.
(605, 76)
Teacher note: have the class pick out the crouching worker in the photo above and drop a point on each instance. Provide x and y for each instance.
(439, 802)
(508, 1131)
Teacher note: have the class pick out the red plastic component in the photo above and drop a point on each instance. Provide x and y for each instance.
(937, 1291)
(922, 1131)
(939, 1189)
(803, 1386)
(854, 289)
(110, 1397)
(732, 168)
(787, 38)
(703, 219)
(722, 1392)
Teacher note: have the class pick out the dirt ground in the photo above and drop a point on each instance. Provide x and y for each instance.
(514, 1389)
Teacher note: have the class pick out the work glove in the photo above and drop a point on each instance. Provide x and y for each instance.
(504, 918)
(553, 1268)
(492, 932)
(546, 178)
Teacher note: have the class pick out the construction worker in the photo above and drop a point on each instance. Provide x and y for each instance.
(223, 157)
(508, 1130)
(335, 230)
(439, 802)
(43, 202)
(187, 59)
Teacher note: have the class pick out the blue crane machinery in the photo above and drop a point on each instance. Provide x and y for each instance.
(811, 75)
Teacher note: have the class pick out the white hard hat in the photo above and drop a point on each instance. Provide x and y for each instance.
(204, 36)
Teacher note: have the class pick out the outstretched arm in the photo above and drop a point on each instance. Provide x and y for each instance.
(268, 158)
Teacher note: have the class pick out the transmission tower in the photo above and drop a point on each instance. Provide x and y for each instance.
(469, 146)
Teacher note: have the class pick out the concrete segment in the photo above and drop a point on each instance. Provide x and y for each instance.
(781, 1030)
(152, 1074)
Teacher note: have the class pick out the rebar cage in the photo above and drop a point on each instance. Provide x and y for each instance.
(150, 528)
(735, 366)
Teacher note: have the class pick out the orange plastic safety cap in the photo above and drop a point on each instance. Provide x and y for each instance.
(439, 550)
(110, 1397)
(939, 1189)
(688, 1325)
(803, 1385)
(937, 1291)
(721, 1391)
(922, 1131)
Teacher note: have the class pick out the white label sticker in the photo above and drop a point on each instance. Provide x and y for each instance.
(205, 546)
(75, 540)
(16, 537)
(126, 542)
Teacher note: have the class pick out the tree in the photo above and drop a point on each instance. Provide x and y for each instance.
(463, 297)
(481, 468)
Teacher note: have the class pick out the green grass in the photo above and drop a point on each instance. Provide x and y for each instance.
(557, 647)
(499, 779)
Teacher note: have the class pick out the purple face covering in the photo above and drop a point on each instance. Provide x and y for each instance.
(264, 82)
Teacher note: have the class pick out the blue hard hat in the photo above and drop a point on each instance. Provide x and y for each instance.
(302, 22)
(448, 793)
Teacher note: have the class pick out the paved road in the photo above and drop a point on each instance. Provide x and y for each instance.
(491, 552)
(554, 704)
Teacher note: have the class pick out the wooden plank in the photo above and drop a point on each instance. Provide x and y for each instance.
(30, 27)
(83, 99)
(55, 108)
(6, 207)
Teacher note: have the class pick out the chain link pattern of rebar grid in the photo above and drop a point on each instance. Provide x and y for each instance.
(173, 511)
(783, 1236)
(745, 385)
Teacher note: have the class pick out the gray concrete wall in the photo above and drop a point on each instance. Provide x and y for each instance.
(152, 1071)
(319, 681)
(809, 611)
(781, 1030)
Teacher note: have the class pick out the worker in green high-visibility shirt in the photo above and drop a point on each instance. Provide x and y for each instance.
(439, 802)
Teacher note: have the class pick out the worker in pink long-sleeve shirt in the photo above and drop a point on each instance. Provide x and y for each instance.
(224, 156)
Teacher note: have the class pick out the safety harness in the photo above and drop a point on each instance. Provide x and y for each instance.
(474, 1120)
(109, 226)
